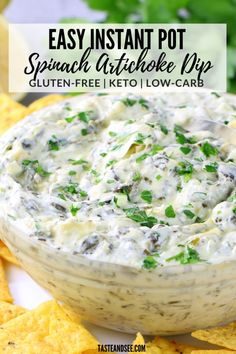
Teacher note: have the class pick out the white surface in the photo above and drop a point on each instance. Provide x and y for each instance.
(27, 293)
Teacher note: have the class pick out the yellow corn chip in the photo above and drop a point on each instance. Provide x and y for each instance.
(9, 311)
(163, 346)
(47, 329)
(139, 339)
(206, 351)
(44, 102)
(7, 255)
(4, 289)
(223, 336)
(10, 112)
(171, 346)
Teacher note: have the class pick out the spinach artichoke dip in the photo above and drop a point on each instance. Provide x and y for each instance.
(121, 179)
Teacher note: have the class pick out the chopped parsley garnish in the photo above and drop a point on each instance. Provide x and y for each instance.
(164, 129)
(142, 157)
(184, 168)
(53, 144)
(129, 102)
(78, 162)
(70, 119)
(232, 197)
(169, 212)
(211, 167)
(149, 262)
(189, 213)
(185, 150)
(112, 134)
(83, 194)
(72, 173)
(143, 103)
(154, 150)
(41, 171)
(141, 217)
(140, 138)
(110, 181)
(94, 173)
(137, 177)
(125, 190)
(116, 147)
(146, 196)
(103, 154)
(111, 163)
(71, 188)
(74, 210)
(234, 210)
(208, 149)
(130, 121)
(26, 163)
(188, 256)
(158, 177)
(36, 167)
(84, 116)
(179, 187)
(181, 138)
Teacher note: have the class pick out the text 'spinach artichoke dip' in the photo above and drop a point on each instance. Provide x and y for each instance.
(120, 179)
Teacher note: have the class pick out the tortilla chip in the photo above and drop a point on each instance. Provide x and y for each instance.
(206, 351)
(7, 255)
(4, 289)
(9, 311)
(47, 329)
(139, 339)
(44, 102)
(163, 346)
(171, 346)
(10, 112)
(223, 336)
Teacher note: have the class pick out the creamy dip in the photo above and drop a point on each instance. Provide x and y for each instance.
(121, 179)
